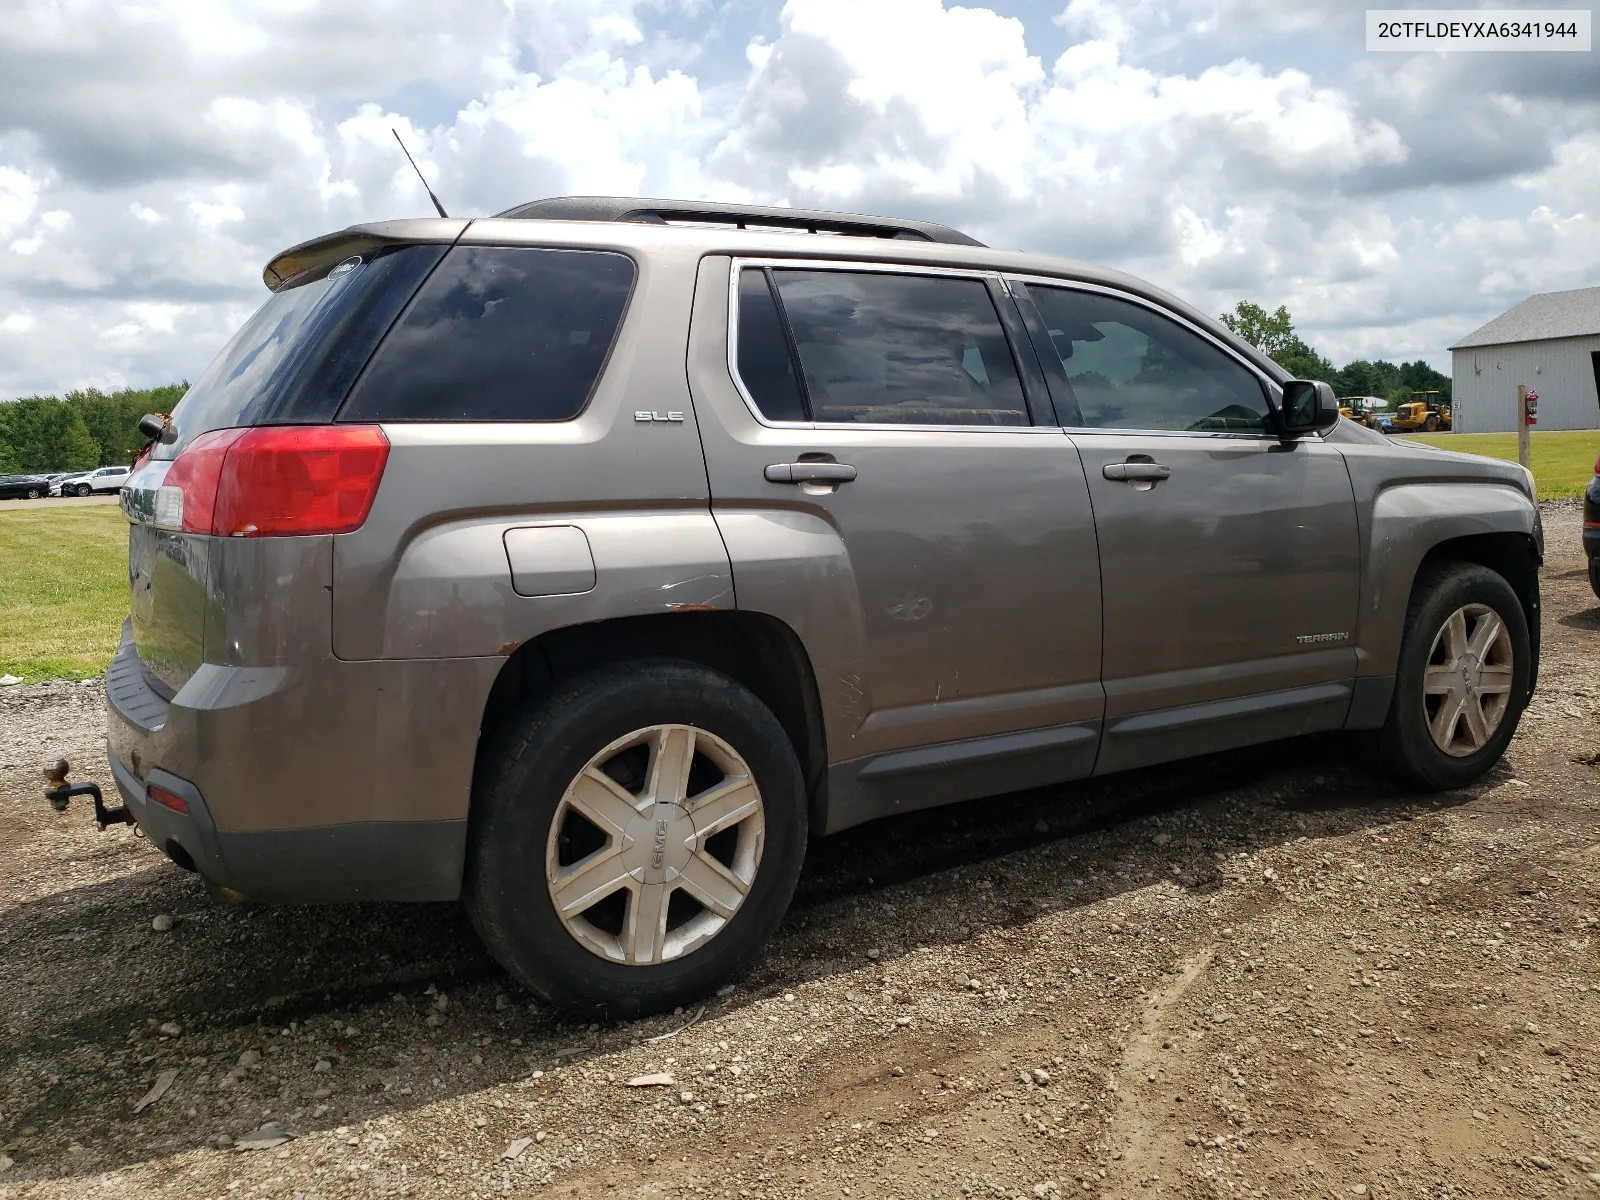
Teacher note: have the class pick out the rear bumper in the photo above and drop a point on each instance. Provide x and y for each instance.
(341, 781)
(367, 860)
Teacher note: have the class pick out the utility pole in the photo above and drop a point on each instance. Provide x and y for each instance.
(1522, 424)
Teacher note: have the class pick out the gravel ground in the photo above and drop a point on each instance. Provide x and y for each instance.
(1265, 974)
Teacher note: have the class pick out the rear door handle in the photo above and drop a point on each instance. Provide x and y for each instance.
(1136, 471)
(809, 472)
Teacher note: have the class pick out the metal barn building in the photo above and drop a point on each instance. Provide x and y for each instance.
(1551, 342)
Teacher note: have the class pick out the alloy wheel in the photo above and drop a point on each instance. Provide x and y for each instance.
(1467, 683)
(655, 844)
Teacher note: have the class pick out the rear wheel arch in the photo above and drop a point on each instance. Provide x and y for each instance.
(753, 649)
(590, 789)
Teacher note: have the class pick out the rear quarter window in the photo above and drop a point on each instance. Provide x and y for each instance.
(498, 334)
(294, 360)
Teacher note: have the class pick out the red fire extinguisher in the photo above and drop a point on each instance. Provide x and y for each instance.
(1532, 408)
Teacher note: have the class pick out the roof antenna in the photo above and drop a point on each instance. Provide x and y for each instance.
(437, 206)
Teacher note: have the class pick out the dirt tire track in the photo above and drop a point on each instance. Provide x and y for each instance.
(1143, 1162)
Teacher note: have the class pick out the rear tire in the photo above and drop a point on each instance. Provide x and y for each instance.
(1456, 702)
(1594, 574)
(1431, 425)
(560, 810)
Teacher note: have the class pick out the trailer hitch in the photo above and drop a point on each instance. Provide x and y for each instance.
(60, 791)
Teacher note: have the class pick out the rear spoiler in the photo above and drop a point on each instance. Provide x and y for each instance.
(311, 260)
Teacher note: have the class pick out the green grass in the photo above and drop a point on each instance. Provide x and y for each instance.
(1562, 460)
(63, 590)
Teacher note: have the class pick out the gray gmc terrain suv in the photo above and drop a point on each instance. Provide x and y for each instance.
(583, 562)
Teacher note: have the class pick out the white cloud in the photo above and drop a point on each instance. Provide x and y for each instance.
(19, 196)
(153, 154)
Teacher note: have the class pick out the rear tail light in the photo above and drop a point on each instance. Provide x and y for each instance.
(187, 497)
(274, 481)
(167, 799)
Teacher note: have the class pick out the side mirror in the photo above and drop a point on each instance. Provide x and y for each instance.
(158, 427)
(1309, 406)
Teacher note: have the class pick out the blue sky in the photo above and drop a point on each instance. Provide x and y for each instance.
(154, 153)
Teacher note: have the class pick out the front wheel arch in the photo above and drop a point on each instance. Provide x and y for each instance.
(1407, 747)
(1513, 557)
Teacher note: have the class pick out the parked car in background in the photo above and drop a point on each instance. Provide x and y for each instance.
(582, 565)
(106, 479)
(1591, 527)
(22, 487)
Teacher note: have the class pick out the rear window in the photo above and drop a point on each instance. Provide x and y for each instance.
(293, 361)
(499, 334)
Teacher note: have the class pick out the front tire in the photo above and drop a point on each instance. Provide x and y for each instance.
(33, 493)
(1462, 680)
(637, 835)
(83, 489)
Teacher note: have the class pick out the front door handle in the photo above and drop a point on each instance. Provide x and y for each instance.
(809, 472)
(1137, 472)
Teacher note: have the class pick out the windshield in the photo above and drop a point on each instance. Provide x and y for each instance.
(237, 379)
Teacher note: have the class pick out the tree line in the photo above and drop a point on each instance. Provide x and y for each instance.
(1273, 334)
(79, 431)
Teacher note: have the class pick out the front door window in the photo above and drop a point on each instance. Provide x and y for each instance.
(1129, 368)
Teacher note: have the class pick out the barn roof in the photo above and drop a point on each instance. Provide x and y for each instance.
(1538, 318)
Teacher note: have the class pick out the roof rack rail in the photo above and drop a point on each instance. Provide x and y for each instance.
(799, 220)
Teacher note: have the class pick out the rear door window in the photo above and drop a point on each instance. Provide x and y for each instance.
(498, 334)
(766, 364)
(885, 348)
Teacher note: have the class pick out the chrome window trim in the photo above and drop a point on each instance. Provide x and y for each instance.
(1274, 390)
(858, 266)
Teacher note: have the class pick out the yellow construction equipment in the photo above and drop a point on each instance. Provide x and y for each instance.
(1364, 410)
(1426, 411)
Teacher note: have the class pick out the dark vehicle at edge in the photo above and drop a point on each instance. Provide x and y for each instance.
(23, 487)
